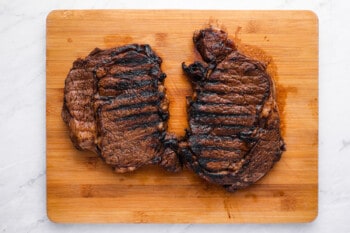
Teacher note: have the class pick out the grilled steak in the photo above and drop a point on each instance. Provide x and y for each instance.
(234, 128)
(115, 106)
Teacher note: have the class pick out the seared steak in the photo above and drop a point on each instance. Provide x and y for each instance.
(115, 105)
(234, 134)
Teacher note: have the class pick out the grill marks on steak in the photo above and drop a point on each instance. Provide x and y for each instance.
(115, 105)
(233, 137)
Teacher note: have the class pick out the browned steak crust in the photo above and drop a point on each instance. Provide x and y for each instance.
(115, 105)
(234, 134)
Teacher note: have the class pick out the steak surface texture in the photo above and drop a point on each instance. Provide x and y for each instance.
(115, 105)
(234, 135)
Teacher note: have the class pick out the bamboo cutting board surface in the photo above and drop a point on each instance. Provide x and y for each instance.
(81, 188)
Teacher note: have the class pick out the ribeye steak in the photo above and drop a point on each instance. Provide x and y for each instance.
(234, 134)
(115, 105)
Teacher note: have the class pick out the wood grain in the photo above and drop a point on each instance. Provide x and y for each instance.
(81, 188)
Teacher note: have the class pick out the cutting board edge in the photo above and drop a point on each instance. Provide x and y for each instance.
(54, 219)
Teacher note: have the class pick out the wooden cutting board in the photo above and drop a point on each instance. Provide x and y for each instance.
(81, 188)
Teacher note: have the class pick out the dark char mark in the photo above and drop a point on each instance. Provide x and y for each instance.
(135, 116)
(216, 119)
(133, 121)
(153, 72)
(133, 106)
(144, 125)
(131, 74)
(218, 130)
(132, 85)
(133, 58)
(203, 113)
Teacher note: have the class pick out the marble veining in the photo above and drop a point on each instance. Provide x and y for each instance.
(22, 114)
(345, 145)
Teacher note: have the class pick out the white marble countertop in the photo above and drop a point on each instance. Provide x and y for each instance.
(22, 114)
